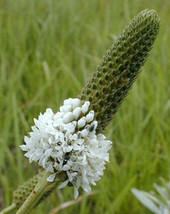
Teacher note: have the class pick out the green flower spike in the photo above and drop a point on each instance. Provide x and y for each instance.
(120, 66)
(21, 194)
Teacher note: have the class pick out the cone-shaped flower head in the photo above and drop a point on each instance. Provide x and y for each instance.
(67, 141)
(120, 66)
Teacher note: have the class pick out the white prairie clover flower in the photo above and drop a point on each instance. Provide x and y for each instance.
(157, 204)
(67, 141)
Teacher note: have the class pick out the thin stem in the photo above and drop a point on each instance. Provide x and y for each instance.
(8, 209)
(42, 187)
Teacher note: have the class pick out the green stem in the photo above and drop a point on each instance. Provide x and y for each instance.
(8, 209)
(35, 196)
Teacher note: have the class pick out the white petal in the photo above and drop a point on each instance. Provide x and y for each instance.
(63, 184)
(26, 139)
(24, 148)
(50, 168)
(76, 193)
(86, 187)
(66, 167)
(28, 154)
(51, 177)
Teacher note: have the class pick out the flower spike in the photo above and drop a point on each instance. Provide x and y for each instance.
(120, 66)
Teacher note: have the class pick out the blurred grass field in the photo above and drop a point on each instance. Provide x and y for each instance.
(48, 49)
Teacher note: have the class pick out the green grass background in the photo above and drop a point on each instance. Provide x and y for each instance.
(48, 49)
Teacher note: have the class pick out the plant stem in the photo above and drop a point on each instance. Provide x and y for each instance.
(35, 196)
(8, 209)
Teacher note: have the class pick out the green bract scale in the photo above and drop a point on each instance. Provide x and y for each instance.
(120, 66)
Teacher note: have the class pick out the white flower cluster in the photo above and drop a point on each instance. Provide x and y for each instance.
(157, 204)
(67, 141)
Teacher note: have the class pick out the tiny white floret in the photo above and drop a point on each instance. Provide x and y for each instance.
(90, 116)
(76, 112)
(82, 122)
(68, 117)
(85, 107)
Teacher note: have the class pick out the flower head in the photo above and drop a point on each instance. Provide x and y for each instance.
(158, 204)
(67, 141)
